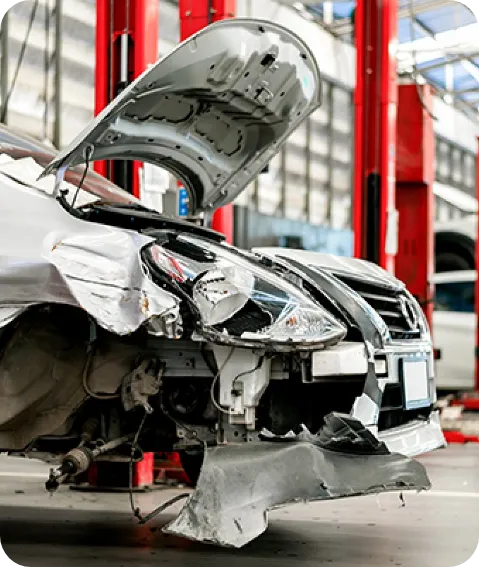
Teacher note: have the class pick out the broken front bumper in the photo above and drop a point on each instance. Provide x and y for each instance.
(239, 484)
(416, 437)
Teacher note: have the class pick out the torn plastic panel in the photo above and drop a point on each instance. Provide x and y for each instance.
(239, 484)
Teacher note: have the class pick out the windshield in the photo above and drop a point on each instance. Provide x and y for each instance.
(26, 164)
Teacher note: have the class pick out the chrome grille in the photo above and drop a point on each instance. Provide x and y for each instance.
(388, 303)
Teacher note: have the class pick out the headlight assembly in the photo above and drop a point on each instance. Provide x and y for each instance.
(241, 302)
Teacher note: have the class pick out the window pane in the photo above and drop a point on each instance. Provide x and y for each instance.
(457, 296)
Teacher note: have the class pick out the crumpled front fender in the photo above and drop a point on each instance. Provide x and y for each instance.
(239, 484)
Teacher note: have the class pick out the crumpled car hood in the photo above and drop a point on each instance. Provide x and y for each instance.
(213, 112)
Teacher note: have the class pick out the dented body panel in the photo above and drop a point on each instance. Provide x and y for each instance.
(61, 259)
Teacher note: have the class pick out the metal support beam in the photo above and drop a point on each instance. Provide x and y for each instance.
(346, 26)
(308, 184)
(255, 195)
(465, 91)
(450, 61)
(414, 193)
(57, 128)
(126, 43)
(283, 169)
(194, 16)
(4, 65)
(330, 138)
(375, 229)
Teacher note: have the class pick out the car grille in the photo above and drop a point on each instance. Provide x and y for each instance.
(387, 302)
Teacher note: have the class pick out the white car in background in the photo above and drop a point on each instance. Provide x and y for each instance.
(455, 244)
(454, 329)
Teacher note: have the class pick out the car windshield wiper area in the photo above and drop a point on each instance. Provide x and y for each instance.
(135, 216)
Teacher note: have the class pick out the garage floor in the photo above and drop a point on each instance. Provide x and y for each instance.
(436, 529)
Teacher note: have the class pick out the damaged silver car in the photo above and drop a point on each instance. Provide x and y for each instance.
(278, 375)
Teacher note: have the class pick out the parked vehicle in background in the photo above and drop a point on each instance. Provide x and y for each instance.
(454, 329)
(455, 244)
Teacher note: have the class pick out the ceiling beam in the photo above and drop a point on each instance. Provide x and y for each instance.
(466, 91)
(450, 61)
(345, 26)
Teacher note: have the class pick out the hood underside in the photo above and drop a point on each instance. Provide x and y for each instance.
(213, 112)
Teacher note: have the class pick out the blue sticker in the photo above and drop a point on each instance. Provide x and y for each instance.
(183, 201)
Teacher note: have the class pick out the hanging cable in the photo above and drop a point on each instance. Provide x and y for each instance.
(412, 17)
(21, 55)
(136, 510)
(247, 372)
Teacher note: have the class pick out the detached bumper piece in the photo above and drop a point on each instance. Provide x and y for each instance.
(238, 484)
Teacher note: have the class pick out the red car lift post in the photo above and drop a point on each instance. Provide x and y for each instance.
(126, 43)
(375, 132)
(194, 16)
(414, 193)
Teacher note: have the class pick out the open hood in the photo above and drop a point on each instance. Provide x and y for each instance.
(213, 112)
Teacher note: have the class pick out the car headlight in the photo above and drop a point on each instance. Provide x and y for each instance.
(241, 302)
(221, 293)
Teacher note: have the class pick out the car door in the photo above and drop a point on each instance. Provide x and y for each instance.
(454, 325)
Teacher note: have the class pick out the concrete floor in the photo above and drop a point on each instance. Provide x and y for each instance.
(70, 529)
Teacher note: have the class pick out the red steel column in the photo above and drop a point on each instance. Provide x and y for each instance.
(414, 193)
(194, 16)
(126, 43)
(102, 68)
(375, 131)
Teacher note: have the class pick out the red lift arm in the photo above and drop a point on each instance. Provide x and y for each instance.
(194, 16)
(126, 43)
(375, 132)
(414, 193)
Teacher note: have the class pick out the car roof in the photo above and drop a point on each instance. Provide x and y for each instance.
(10, 136)
(19, 145)
(467, 226)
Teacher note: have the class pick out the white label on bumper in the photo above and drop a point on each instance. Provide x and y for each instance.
(415, 384)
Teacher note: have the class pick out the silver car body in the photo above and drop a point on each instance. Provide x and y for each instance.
(213, 112)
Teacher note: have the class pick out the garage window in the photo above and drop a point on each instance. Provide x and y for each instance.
(455, 296)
